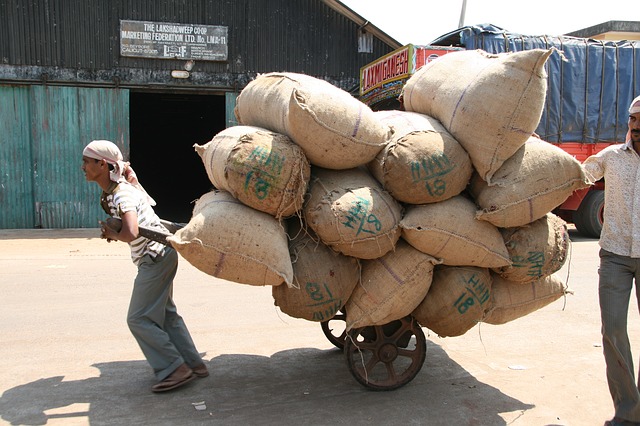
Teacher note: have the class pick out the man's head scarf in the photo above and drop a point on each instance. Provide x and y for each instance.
(108, 151)
(122, 171)
(634, 108)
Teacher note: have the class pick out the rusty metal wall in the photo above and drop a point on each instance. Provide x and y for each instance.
(42, 184)
(79, 39)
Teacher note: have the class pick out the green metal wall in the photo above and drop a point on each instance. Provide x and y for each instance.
(16, 173)
(230, 106)
(43, 130)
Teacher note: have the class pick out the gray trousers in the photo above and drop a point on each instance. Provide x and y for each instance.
(617, 275)
(154, 320)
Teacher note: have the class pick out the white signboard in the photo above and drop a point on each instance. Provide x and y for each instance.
(162, 40)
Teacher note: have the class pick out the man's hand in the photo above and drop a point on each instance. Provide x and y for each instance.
(106, 230)
(123, 229)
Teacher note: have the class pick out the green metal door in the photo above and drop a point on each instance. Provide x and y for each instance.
(54, 125)
(16, 173)
(230, 106)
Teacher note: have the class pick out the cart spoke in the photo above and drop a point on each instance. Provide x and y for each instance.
(392, 376)
(372, 362)
(398, 334)
(388, 356)
(366, 346)
(407, 353)
(335, 330)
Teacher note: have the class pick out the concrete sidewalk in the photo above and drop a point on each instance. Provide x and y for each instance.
(68, 356)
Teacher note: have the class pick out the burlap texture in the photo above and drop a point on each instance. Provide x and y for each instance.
(423, 163)
(534, 181)
(229, 240)
(323, 278)
(456, 301)
(334, 129)
(490, 103)
(391, 287)
(512, 300)
(263, 169)
(351, 212)
(449, 231)
(536, 250)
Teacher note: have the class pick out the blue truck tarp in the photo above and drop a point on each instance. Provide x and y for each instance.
(588, 92)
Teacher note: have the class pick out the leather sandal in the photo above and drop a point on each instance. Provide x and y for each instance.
(200, 371)
(181, 376)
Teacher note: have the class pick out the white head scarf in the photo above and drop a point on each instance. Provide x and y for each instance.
(108, 151)
(634, 108)
(122, 171)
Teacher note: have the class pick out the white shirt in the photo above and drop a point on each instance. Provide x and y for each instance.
(620, 166)
(124, 198)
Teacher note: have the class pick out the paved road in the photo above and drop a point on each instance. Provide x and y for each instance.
(68, 358)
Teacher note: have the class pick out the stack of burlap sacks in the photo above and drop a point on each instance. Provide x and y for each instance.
(442, 211)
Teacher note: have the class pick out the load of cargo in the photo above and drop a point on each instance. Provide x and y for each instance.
(441, 211)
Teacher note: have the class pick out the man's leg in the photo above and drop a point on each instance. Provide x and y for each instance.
(151, 291)
(615, 284)
(175, 326)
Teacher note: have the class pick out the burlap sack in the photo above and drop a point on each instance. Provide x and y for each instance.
(512, 300)
(392, 286)
(449, 231)
(489, 103)
(323, 279)
(229, 240)
(536, 250)
(423, 163)
(456, 301)
(534, 181)
(263, 169)
(352, 213)
(334, 129)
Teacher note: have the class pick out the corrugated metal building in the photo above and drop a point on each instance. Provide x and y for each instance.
(154, 76)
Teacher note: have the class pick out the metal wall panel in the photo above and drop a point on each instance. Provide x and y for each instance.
(65, 119)
(80, 39)
(41, 183)
(16, 174)
(68, 52)
(230, 107)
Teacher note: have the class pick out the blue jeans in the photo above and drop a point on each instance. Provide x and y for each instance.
(153, 318)
(617, 275)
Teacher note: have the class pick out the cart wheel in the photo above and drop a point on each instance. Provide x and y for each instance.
(335, 329)
(386, 357)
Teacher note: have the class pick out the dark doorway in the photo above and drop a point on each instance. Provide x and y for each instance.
(164, 128)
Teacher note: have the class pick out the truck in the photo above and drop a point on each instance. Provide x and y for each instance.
(590, 85)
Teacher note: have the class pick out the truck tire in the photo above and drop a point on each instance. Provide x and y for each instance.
(589, 216)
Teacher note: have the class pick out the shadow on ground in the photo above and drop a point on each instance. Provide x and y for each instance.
(576, 236)
(298, 386)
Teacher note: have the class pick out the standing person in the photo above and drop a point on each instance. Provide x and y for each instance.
(619, 263)
(152, 317)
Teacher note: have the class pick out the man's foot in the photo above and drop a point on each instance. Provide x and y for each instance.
(200, 370)
(181, 376)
